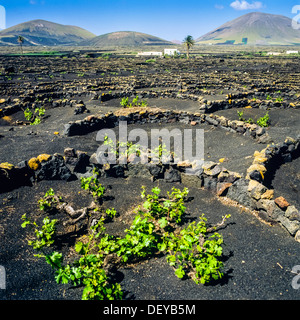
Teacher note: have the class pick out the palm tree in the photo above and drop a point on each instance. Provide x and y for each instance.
(188, 42)
(21, 40)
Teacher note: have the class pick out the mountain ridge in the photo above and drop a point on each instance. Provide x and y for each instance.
(254, 28)
(43, 32)
(125, 38)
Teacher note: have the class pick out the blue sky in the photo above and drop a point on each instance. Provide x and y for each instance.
(168, 19)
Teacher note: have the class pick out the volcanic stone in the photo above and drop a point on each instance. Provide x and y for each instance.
(54, 169)
(222, 188)
(82, 162)
(172, 175)
(292, 213)
(269, 194)
(239, 192)
(282, 203)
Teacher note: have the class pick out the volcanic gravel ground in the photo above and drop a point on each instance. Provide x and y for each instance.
(237, 150)
(257, 258)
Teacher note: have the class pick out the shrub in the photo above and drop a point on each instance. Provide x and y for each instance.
(34, 117)
(264, 121)
(135, 102)
(92, 185)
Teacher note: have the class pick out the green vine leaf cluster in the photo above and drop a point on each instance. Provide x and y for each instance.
(127, 148)
(92, 185)
(263, 122)
(49, 202)
(35, 116)
(135, 102)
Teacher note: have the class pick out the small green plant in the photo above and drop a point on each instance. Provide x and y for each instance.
(156, 217)
(195, 254)
(161, 151)
(240, 115)
(264, 121)
(192, 252)
(34, 117)
(250, 120)
(44, 236)
(88, 270)
(127, 148)
(111, 213)
(268, 97)
(92, 185)
(124, 103)
(49, 201)
(241, 118)
(135, 102)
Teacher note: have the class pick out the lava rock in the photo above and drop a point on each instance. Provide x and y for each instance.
(172, 175)
(54, 169)
(256, 175)
(239, 192)
(118, 171)
(282, 203)
(79, 109)
(83, 160)
(156, 171)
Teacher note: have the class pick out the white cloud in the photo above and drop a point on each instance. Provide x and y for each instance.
(244, 5)
(219, 6)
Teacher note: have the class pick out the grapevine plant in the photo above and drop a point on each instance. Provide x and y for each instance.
(35, 116)
(192, 250)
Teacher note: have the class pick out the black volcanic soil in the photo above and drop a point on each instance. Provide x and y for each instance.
(257, 258)
(286, 182)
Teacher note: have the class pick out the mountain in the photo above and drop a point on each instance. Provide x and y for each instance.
(254, 28)
(176, 41)
(41, 32)
(125, 39)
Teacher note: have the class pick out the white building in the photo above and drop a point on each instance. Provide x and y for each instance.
(171, 52)
(150, 53)
(273, 54)
(292, 52)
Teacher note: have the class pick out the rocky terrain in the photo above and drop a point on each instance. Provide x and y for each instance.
(250, 171)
